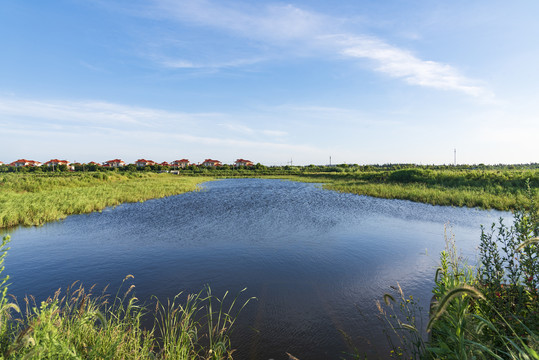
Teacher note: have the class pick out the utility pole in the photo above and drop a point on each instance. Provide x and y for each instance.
(455, 157)
(330, 160)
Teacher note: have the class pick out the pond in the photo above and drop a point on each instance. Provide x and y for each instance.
(316, 260)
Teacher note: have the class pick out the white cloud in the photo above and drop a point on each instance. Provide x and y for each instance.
(301, 31)
(274, 22)
(246, 130)
(75, 125)
(184, 64)
(403, 64)
(275, 133)
(94, 113)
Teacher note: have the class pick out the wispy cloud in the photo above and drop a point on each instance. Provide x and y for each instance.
(400, 63)
(243, 129)
(185, 64)
(125, 125)
(94, 113)
(304, 32)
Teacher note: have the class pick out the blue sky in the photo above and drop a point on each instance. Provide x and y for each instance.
(361, 81)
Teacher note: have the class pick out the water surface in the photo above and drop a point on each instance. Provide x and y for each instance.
(317, 260)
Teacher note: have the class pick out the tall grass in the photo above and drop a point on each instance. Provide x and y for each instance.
(33, 199)
(489, 311)
(471, 189)
(79, 324)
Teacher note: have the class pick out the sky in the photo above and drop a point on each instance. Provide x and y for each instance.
(360, 81)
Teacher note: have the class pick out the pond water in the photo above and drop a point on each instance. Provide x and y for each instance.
(316, 260)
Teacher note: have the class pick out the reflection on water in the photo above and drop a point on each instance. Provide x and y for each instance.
(316, 260)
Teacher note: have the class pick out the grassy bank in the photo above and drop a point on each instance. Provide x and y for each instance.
(34, 199)
(80, 324)
(487, 311)
(492, 189)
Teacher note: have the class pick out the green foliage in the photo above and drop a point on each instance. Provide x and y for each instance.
(492, 312)
(33, 199)
(485, 312)
(6, 307)
(402, 317)
(81, 325)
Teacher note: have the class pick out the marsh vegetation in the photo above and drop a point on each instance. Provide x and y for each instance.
(486, 311)
(37, 198)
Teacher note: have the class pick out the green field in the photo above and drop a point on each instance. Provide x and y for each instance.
(34, 199)
(487, 189)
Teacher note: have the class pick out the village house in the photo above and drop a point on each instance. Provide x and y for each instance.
(94, 163)
(164, 163)
(24, 162)
(211, 163)
(144, 162)
(56, 162)
(114, 163)
(1, 163)
(243, 162)
(183, 163)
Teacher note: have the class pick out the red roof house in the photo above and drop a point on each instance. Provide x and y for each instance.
(56, 162)
(243, 162)
(183, 163)
(24, 162)
(211, 163)
(114, 163)
(144, 162)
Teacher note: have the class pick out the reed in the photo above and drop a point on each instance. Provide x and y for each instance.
(489, 311)
(487, 189)
(79, 324)
(34, 199)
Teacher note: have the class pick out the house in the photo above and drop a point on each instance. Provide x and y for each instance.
(93, 163)
(183, 163)
(24, 162)
(114, 163)
(211, 163)
(144, 162)
(1, 163)
(243, 162)
(56, 162)
(164, 163)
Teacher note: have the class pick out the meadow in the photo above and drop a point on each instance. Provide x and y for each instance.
(36, 198)
(500, 187)
(501, 190)
(486, 189)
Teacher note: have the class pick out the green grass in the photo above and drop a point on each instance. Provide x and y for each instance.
(488, 311)
(473, 188)
(79, 324)
(34, 199)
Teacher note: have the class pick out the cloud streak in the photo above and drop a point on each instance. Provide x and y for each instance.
(296, 31)
(118, 126)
